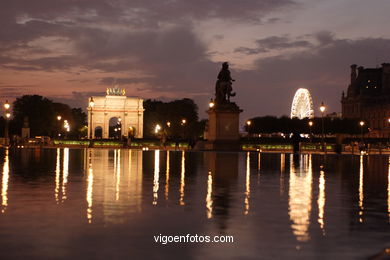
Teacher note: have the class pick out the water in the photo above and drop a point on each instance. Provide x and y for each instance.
(109, 204)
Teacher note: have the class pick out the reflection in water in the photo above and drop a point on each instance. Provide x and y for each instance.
(275, 225)
(258, 168)
(182, 178)
(321, 201)
(135, 178)
(300, 196)
(167, 177)
(65, 173)
(5, 179)
(209, 198)
(156, 175)
(117, 170)
(361, 191)
(89, 188)
(247, 184)
(113, 183)
(223, 168)
(282, 169)
(282, 162)
(57, 179)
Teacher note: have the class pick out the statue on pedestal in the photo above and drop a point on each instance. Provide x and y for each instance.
(223, 86)
(25, 128)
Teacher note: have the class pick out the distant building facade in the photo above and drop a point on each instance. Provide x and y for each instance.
(368, 98)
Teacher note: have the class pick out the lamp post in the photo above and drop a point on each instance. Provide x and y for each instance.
(91, 104)
(361, 123)
(248, 124)
(120, 128)
(322, 109)
(183, 123)
(7, 116)
(211, 103)
(311, 133)
(59, 125)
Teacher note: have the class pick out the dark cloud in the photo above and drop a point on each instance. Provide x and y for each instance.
(110, 81)
(12, 92)
(250, 51)
(281, 42)
(274, 43)
(76, 99)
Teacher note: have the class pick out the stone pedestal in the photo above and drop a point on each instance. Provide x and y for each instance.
(223, 127)
(25, 133)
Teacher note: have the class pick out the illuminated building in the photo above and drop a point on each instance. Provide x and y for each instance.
(115, 104)
(368, 98)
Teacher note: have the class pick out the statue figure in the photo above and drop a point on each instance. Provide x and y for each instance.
(223, 86)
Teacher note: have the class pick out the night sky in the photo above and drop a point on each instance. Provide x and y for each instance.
(68, 50)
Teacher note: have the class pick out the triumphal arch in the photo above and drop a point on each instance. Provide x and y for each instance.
(128, 113)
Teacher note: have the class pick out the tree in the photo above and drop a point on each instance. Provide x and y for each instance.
(42, 116)
(39, 111)
(170, 116)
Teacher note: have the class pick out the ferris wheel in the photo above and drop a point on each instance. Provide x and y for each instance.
(302, 105)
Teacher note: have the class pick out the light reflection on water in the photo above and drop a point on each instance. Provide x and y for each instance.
(156, 176)
(133, 195)
(247, 184)
(182, 178)
(4, 182)
(321, 201)
(300, 195)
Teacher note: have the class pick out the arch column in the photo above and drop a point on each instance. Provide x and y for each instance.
(106, 126)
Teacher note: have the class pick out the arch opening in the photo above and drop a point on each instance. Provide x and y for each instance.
(115, 128)
(98, 132)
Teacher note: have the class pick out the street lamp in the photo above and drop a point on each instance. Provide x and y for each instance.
(59, 125)
(211, 104)
(183, 121)
(169, 124)
(7, 116)
(7, 105)
(322, 109)
(120, 127)
(311, 133)
(157, 128)
(91, 104)
(248, 124)
(361, 123)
